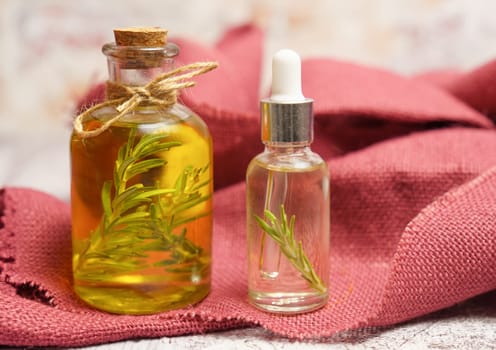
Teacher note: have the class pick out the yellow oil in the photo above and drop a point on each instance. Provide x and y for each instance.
(129, 280)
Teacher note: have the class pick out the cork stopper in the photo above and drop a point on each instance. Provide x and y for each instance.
(141, 36)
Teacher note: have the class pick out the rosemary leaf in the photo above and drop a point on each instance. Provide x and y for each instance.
(291, 228)
(193, 201)
(122, 177)
(145, 144)
(126, 150)
(157, 148)
(182, 221)
(283, 234)
(269, 215)
(181, 182)
(143, 166)
(137, 218)
(134, 192)
(269, 230)
(143, 217)
(106, 202)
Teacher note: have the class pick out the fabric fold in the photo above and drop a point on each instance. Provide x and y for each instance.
(381, 271)
(446, 254)
(342, 88)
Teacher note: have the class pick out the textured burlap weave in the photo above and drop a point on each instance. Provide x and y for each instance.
(413, 206)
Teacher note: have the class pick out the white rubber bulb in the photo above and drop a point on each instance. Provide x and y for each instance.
(286, 77)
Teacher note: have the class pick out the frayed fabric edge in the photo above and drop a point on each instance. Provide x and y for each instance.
(25, 289)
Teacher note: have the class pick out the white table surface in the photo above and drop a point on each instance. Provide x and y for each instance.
(469, 326)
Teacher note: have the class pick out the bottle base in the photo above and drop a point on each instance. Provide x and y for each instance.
(288, 303)
(138, 300)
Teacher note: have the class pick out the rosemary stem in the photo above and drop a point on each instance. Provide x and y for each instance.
(282, 234)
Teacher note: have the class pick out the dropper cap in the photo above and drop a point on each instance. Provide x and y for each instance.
(287, 116)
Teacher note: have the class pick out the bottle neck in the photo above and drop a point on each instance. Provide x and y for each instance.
(286, 147)
(137, 66)
(136, 75)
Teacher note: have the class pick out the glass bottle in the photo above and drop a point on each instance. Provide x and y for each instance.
(141, 195)
(287, 189)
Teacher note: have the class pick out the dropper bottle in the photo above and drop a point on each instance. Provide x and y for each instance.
(287, 197)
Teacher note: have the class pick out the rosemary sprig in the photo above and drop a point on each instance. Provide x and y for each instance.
(138, 219)
(282, 233)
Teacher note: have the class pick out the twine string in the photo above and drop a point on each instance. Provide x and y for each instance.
(161, 91)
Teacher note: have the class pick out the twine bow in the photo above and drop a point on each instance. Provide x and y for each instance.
(161, 91)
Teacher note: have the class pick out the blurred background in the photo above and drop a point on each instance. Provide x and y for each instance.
(50, 54)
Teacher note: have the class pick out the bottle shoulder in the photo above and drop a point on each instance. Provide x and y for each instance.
(299, 161)
(151, 119)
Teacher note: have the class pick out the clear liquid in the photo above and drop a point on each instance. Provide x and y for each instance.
(122, 281)
(300, 182)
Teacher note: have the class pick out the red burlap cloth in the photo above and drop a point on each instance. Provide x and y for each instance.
(413, 206)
